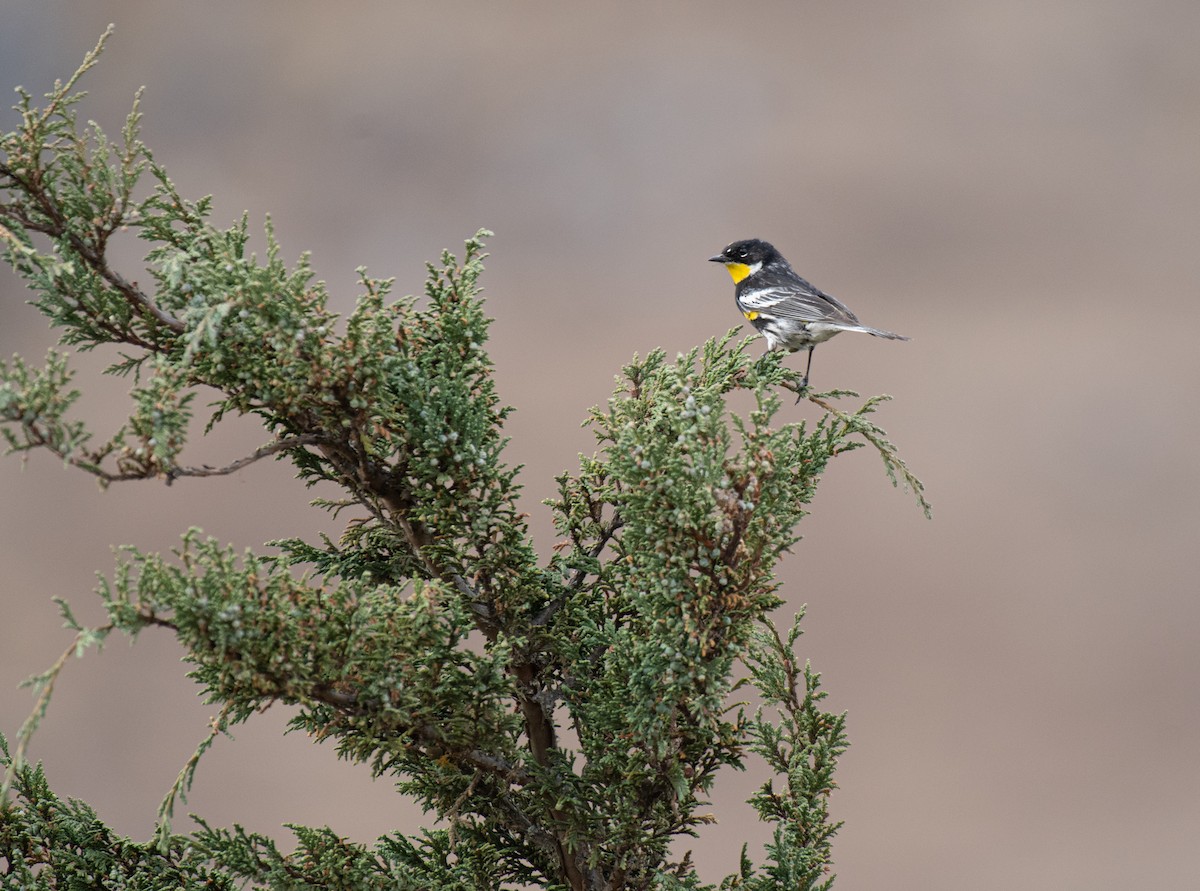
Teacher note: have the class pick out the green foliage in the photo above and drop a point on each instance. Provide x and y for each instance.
(428, 641)
(33, 402)
(801, 744)
(47, 843)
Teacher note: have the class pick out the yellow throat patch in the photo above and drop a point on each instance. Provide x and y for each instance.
(738, 271)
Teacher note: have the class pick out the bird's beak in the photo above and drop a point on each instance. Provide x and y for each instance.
(717, 259)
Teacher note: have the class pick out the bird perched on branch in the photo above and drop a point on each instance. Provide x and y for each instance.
(790, 313)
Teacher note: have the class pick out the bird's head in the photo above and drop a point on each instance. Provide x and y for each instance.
(746, 257)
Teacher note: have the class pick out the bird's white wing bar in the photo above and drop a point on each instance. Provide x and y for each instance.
(782, 302)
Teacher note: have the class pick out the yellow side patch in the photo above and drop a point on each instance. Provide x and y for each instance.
(750, 315)
(738, 270)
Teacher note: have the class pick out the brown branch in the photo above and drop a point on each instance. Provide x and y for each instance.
(134, 295)
(346, 702)
(607, 533)
(539, 726)
(38, 439)
(59, 228)
(272, 448)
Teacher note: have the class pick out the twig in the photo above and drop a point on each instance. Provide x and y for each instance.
(346, 702)
(46, 680)
(873, 434)
(280, 445)
(183, 782)
(607, 533)
(39, 439)
(58, 228)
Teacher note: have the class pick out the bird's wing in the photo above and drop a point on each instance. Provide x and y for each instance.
(796, 300)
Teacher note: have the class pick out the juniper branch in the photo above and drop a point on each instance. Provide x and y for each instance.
(875, 435)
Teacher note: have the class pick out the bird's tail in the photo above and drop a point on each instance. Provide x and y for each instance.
(879, 332)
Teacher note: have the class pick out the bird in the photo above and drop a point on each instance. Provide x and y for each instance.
(788, 311)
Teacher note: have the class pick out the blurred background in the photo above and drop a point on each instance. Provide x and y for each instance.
(1014, 184)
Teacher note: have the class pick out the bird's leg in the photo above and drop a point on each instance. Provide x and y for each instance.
(804, 380)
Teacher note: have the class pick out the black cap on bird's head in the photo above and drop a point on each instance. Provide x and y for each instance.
(748, 252)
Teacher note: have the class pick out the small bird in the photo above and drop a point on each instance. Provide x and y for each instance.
(791, 313)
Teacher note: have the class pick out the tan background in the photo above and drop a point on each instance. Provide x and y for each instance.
(1015, 184)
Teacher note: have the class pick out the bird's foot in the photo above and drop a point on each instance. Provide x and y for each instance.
(802, 390)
